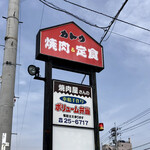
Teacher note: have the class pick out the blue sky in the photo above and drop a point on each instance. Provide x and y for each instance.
(123, 86)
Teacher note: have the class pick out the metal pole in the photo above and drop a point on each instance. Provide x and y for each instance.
(48, 108)
(8, 75)
(116, 143)
(92, 78)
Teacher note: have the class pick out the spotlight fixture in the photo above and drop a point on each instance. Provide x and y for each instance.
(33, 70)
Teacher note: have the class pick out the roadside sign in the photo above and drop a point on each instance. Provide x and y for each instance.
(72, 105)
(70, 43)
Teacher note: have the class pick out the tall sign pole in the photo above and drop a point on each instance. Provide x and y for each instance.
(8, 75)
(48, 104)
(92, 79)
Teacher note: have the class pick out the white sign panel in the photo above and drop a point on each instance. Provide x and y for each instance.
(72, 105)
(67, 138)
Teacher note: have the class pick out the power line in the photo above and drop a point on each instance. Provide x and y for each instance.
(137, 26)
(83, 79)
(62, 10)
(110, 32)
(127, 37)
(138, 116)
(106, 29)
(104, 139)
(111, 23)
(115, 19)
(59, 9)
(142, 123)
(26, 103)
(30, 80)
(105, 135)
(140, 145)
(133, 119)
(18, 73)
(96, 26)
(107, 139)
(136, 126)
(42, 16)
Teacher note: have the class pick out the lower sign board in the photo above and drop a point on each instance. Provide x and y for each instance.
(68, 138)
(72, 105)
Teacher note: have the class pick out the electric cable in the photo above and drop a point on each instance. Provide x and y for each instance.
(96, 26)
(26, 103)
(30, 80)
(127, 136)
(110, 32)
(138, 116)
(137, 26)
(83, 79)
(42, 15)
(62, 10)
(18, 80)
(127, 37)
(105, 139)
(18, 89)
(106, 135)
(133, 119)
(103, 27)
(111, 23)
(140, 145)
(136, 126)
(18, 92)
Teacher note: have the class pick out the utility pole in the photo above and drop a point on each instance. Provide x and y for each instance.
(114, 134)
(8, 75)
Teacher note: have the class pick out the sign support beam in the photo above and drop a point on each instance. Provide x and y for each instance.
(48, 104)
(92, 79)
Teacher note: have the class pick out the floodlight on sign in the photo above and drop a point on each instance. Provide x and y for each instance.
(33, 70)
